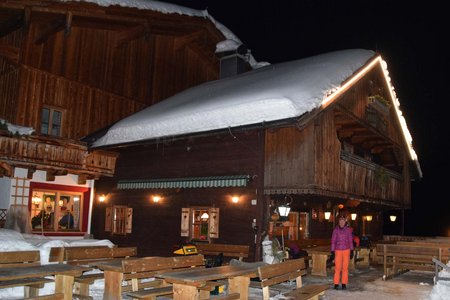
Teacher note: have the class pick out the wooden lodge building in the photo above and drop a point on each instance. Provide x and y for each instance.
(68, 69)
(213, 163)
(236, 150)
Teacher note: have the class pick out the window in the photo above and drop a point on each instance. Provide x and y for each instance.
(118, 219)
(51, 121)
(56, 210)
(200, 223)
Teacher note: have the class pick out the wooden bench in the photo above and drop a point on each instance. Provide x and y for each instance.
(89, 256)
(17, 259)
(272, 275)
(398, 259)
(147, 267)
(228, 250)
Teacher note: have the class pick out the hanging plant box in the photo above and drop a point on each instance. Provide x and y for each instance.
(380, 104)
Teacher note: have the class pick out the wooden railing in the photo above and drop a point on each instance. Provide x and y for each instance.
(60, 156)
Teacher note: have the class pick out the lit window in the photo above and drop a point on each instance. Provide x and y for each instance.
(56, 210)
(51, 121)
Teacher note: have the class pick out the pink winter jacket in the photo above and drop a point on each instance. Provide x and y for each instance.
(342, 239)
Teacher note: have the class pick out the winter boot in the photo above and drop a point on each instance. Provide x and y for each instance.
(336, 286)
(344, 287)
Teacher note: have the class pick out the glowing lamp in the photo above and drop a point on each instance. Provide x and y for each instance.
(235, 199)
(102, 198)
(353, 216)
(36, 199)
(369, 218)
(327, 215)
(393, 218)
(284, 210)
(156, 198)
(204, 216)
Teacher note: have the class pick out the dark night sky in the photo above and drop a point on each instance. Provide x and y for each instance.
(410, 38)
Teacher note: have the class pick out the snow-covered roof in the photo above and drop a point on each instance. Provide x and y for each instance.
(271, 93)
(275, 92)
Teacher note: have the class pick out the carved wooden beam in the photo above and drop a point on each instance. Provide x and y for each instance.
(6, 169)
(51, 174)
(82, 178)
(131, 34)
(54, 25)
(10, 53)
(30, 172)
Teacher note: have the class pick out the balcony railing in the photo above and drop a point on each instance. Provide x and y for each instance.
(55, 154)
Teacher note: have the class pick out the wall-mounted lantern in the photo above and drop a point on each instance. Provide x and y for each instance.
(156, 198)
(327, 215)
(102, 198)
(235, 199)
(393, 218)
(353, 216)
(369, 218)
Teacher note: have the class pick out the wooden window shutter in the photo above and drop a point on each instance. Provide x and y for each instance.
(213, 223)
(129, 220)
(185, 212)
(108, 219)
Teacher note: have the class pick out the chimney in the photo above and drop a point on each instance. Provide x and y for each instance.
(233, 62)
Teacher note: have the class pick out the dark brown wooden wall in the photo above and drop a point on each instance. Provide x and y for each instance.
(311, 158)
(86, 108)
(156, 227)
(289, 158)
(97, 71)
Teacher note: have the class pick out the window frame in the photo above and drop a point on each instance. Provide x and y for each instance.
(50, 123)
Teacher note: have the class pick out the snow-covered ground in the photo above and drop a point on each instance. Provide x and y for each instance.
(363, 283)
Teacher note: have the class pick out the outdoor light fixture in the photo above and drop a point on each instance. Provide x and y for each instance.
(76, 198)
(204, 216)
(327, 215)
(369, 218)
(393, 218)
(353, 216)
(102, 198)
(156, 198)
(235, 199)
(284, 210)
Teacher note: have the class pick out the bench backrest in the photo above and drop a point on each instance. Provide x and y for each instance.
(281, 272)
(154, 264)
(82, 255)
(19, 258)
(406, 251)
(308, 243)
(240, 251)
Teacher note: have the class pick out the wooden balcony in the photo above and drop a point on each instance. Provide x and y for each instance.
(56, 156)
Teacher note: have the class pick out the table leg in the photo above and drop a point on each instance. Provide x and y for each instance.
(319, 264)
(64, 284)
(239, 285)
(113, 285)
(185, 292)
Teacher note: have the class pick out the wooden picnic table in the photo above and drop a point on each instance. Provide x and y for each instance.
(320, 255)
(64, 275)
(186, 282)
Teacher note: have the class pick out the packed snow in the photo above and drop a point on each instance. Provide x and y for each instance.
(275, 92)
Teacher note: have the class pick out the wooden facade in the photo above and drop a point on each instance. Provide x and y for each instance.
(97, 64)
(345, 157)
(91, 65)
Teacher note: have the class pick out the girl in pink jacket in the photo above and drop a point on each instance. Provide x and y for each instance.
(341, 251)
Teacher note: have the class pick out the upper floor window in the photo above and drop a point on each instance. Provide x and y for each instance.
(51, 121)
